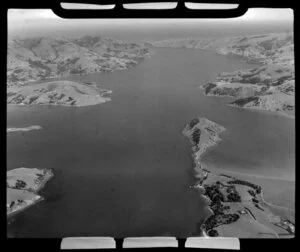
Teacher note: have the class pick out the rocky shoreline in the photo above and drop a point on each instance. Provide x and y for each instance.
(234, 207)
(23, 185)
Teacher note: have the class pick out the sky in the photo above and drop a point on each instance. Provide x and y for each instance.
(42, 22)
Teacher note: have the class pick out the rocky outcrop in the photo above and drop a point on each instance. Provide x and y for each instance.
(41, 58)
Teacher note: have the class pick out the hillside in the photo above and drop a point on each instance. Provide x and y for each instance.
(64, 93)
(35, 59)
(270, 86)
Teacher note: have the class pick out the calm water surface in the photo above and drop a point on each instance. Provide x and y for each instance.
(123, 168)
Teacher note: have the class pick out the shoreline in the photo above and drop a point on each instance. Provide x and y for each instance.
(44, 182)
(58, 93)
(230, 201)
(107, 99)
(34, 190)
(278, 113)
(275, 58)
(11, 215)
(256, 180)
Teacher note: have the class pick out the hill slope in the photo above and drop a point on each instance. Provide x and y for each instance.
(42, 58)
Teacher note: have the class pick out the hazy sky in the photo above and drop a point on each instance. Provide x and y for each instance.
(43, 21)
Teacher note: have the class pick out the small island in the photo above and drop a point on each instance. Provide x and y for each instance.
(23, 184)
(62, 92)
(233, 207)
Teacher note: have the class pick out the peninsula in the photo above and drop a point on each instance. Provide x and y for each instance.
(23, 184)
(233, 207)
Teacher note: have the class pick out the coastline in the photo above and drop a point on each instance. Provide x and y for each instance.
(234, 205)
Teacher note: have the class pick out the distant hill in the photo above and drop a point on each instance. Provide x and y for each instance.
(271, 48)
(41, 58)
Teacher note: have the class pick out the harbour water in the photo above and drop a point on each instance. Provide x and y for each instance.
(123, 168)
